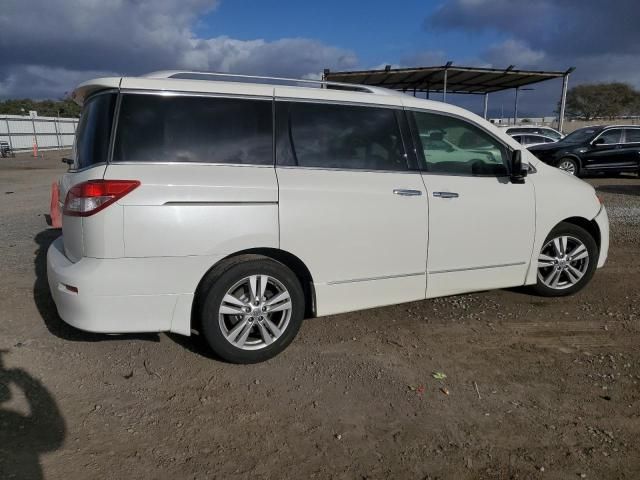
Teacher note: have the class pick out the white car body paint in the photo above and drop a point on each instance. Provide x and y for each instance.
(137, 263)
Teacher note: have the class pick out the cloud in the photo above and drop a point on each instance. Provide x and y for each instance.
(600, 39)
(48, 47)
(553, 34)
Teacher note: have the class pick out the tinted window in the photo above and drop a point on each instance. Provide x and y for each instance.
(538, 139)
(550, 133)
(94, 131)
(340, 136)
(611, 136)
(153, 128)
(452, 145)
(581, 135)
(633, 135)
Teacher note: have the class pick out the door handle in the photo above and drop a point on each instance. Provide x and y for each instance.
(445, 194)
(407, 193)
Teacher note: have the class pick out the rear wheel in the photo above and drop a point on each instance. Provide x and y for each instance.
(252, 310)
(569, 165)
(566, 262)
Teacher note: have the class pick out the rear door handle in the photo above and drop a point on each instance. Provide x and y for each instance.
(445, 194)
(407, 193)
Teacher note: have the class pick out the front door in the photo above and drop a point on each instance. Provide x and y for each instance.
(350, 208)
(481, 226)
(606, 152)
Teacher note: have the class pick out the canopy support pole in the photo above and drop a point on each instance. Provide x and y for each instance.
(563, 99)
(486, 105)
(515, 108)
(444, 89)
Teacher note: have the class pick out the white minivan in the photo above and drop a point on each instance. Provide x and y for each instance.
(237, 208)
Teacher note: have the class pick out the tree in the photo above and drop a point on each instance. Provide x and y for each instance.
(45, 108)
(602, 100)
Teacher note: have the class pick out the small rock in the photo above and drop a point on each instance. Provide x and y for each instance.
(256, 381)
(338, 436)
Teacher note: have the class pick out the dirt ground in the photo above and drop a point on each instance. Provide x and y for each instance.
(535, 387)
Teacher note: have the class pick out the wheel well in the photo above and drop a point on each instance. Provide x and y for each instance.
(296, 265)
(589, 225)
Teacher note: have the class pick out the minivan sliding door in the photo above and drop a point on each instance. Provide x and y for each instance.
(350, 207)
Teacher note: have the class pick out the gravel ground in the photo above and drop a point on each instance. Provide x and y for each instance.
(534, 387)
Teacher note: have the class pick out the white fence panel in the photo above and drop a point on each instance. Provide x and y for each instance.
(47, 132)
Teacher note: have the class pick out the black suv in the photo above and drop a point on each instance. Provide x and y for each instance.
(609, 149)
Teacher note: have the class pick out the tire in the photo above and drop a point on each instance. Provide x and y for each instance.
(550, 261)
(569, 165)
(241, 336)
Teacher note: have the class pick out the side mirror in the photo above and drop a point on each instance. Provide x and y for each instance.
(517, 172)
(598, 141)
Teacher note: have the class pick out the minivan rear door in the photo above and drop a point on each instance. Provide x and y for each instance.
(89, 155)
(205, 166)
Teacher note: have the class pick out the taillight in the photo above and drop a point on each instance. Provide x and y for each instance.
(90, 197)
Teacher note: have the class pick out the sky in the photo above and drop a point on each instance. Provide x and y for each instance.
(49, 46)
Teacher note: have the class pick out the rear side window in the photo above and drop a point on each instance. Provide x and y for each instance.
(339, 136)
(154, 128)
(633, 135)
(94, 131)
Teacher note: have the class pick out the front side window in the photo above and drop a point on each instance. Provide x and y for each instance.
(154, 128)
(94, 131)
(633, 135)
(339, 136)
(454, 146)
(610, 136)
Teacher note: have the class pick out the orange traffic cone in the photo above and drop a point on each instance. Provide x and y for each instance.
(56, 219)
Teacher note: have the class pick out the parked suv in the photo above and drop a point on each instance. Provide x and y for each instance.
(235, 209)
(608, 149)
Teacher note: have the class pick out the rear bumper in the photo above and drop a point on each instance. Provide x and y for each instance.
(122, 295)
(602, 219)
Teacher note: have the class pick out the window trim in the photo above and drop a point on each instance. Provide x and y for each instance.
(398, 110)
(420, 153)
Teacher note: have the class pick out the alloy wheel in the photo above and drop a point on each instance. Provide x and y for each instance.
(255, 312)
(568, 166)
(562, 262)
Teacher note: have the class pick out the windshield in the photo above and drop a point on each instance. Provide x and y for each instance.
(581, 135)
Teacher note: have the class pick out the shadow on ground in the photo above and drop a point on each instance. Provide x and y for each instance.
(23, 438)
(620, 189)
(47, 308)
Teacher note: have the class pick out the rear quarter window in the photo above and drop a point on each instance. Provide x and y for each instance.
(154, 128)
(94, 131)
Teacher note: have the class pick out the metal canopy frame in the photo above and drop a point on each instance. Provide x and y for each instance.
(454, 79)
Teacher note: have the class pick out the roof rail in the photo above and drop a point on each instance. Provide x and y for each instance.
(212, 76)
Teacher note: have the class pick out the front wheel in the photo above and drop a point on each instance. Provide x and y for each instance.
(253, 309)
(566, 262)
